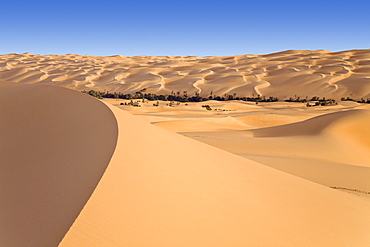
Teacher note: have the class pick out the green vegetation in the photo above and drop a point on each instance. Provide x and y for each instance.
(298, 99)
(322, 102)
(178, 98)
(135, 104)
(362, 100)
(317, 101)
(346, 99)
(207, 107)
(94, 94)
(367, 101)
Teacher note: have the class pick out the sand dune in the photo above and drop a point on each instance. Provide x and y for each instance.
(150, 194)
(352, 120)
(326, 144)
(55, 145)
(75, 171)
(341, 137)
(160, 195)
(283, 74)
(349, 129)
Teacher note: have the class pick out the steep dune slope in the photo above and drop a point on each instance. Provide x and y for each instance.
(163, 189)
(55, 145)
(283, 74)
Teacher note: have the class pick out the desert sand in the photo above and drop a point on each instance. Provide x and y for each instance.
(162, 189)
(284, 74)
(327, 144)
(76, 171)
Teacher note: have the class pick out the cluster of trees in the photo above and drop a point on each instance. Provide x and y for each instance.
(260, 99)
(177, 96)
(207, 107)
(94, 94)
(304, 100)
(148, 96)
(367, 101)
(136, 103)
(297, 99)
(362, 100)
(318, 101)
(346, 99)
(323, 102)
(184, 97)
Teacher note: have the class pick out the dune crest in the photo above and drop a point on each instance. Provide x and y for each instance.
(316, 125)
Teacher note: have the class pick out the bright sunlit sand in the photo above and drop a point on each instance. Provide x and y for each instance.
(79, 171)
(328, 145)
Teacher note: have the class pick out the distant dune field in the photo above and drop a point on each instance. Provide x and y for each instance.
(284, 74)
(78, 171)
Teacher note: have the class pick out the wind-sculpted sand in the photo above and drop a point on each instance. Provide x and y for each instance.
(158, 189)
(325, 144)
(284, 74)
(162, 189)
(76, 171)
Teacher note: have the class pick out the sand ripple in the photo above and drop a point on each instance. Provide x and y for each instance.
(283, 74)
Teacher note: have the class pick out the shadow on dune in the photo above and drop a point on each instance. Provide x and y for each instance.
(55, 145)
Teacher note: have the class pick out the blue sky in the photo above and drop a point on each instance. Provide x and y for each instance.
(200, 28)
